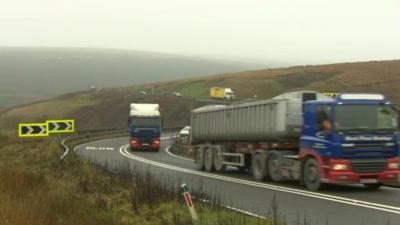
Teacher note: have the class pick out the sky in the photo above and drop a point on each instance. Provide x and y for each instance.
(280, 31)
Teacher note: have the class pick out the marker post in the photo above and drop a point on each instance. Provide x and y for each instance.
(185, 192)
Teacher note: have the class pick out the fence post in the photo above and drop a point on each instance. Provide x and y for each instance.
(185, 192)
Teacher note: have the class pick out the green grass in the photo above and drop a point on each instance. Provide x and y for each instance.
(37, 189)
(195, 90)
(109, 107)
(55, 108)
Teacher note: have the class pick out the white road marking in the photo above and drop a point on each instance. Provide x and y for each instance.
(234, 209)
(176, 156)
(391, 188)
(94, 148)
(167, 150)
(99, 148)
(78, 146)
(332, 198)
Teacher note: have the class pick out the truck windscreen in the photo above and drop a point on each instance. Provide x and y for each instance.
(365, 117)
(145, 122)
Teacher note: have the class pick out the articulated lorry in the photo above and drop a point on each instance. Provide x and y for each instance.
(220, 92)
(304, 136)
(144, 127)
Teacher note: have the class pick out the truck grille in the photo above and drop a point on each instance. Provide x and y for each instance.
(369, 146)
(368, 165)
(145, 141)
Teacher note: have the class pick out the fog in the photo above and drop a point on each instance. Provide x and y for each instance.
(283, 32)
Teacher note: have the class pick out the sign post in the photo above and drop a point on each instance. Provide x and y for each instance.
(185, 192)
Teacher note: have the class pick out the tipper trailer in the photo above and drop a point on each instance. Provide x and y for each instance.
(304, 136)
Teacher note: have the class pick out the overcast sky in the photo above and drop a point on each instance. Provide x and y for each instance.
(284, 31)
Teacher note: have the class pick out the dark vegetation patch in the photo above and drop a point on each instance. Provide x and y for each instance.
(293, 81)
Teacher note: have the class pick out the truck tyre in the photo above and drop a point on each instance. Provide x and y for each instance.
(275, 166)
(219, 159)
(311, 175)
(209, 159)
(258, 166)
(373, 187)
(199, 158)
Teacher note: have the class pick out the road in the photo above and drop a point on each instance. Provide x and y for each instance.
(338, 205)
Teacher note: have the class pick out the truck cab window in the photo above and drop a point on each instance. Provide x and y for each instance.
(324, 121)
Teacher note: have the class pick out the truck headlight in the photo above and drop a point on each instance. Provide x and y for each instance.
(393, 163)
(340, 167)
(393, 166)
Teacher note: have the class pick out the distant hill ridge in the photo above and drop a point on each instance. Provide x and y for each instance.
(109, 107)
(30, 74)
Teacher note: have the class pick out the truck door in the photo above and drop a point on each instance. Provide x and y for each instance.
(324, 118)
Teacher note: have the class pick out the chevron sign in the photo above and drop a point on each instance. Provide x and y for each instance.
(60, 126)
(332, 94)
(33, 130)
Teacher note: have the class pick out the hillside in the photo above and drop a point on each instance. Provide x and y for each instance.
(109, 107)
(31, 74)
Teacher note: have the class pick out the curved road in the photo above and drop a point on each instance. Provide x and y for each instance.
(339, 205)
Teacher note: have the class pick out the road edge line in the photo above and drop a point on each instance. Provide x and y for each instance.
(347, 201)
(174, 155)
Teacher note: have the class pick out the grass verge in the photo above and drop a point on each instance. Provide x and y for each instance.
(37, 189)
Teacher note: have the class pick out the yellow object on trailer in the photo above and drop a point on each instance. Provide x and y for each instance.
(217, 92)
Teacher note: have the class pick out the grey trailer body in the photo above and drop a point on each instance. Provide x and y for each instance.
(269, 139)
(278, 119)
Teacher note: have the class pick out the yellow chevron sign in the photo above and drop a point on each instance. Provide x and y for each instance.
(33, 130)
(61, 126)
(332, 94)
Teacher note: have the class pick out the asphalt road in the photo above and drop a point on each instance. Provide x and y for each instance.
(338, 205)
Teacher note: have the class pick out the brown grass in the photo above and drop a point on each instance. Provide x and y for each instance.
(37, 189)
(109, 107)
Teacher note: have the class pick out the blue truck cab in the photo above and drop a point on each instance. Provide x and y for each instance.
(350, 139)
(144, 127)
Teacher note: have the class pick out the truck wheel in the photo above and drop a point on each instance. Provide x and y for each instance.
(258, 167)
(373, 187)
(311, 175)
(199, 158)
(219, 159)
(209, 159)
(274, 166)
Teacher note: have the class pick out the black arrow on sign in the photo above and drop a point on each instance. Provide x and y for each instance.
(33, 130)
(59, 126)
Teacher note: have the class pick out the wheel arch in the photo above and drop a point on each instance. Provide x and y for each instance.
(306, 154)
